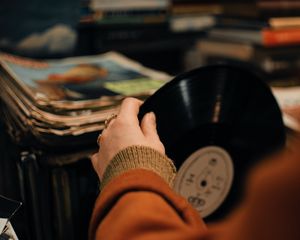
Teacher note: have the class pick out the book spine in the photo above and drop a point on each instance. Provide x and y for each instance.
(117, 13)
(196, 8)
(282, 5)
(193, 23)
(132, 20)
(129, 16)
(280, 37)
(128, 5)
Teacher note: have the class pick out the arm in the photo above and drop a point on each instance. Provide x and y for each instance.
(136, 200)
(132, 205)
(137, 203)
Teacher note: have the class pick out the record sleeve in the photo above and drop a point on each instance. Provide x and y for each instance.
(65, 102)
(216, 122)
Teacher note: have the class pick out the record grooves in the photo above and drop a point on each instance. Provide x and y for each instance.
(211, 112)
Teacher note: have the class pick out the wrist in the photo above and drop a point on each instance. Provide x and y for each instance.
(139, 157)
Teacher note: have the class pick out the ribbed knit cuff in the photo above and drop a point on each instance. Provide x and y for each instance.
(134, 157)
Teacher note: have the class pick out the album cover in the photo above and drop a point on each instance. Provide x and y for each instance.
(77, 82)
(56, 101)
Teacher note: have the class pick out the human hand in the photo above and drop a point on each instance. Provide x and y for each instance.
(125, 131)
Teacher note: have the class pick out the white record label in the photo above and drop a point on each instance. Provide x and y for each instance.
(205, 179)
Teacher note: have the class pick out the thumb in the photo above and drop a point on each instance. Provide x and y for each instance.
(97, 167)
(148, 126)
(94, 160)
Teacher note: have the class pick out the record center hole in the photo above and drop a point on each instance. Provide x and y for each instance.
(203, 183)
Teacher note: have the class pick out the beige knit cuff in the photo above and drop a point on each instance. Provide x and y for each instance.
(134, 157)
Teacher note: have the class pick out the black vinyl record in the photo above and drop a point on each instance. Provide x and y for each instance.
(224, 114)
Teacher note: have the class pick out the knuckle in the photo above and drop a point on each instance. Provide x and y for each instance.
(118, 123)
(94, 157)
(104, 134)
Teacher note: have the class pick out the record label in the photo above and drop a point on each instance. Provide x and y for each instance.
(205, 179)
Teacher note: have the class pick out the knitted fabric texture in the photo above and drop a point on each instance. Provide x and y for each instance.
(143, 157)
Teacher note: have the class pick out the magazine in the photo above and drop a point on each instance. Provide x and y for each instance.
(56, 100)
(81, 82)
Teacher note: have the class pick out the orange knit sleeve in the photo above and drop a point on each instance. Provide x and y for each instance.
(132, 207)
(139, 204)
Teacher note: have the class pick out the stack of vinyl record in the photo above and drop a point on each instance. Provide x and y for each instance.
(52, 101)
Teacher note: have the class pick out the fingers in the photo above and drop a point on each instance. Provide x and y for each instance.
(130, 109)
(148, 126)
(128, 112)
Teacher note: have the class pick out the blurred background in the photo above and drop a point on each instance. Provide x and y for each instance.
(58, 187)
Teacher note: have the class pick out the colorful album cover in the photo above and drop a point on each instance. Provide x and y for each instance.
(82, 78)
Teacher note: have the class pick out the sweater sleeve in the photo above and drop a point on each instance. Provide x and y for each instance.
(139, 157)
(136, 200)
(139, 204)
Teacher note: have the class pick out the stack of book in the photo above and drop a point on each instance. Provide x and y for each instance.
(288, 99)
(65, 102)
(193, 15)
(263, 34)
(127, 11)
(122, 25)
